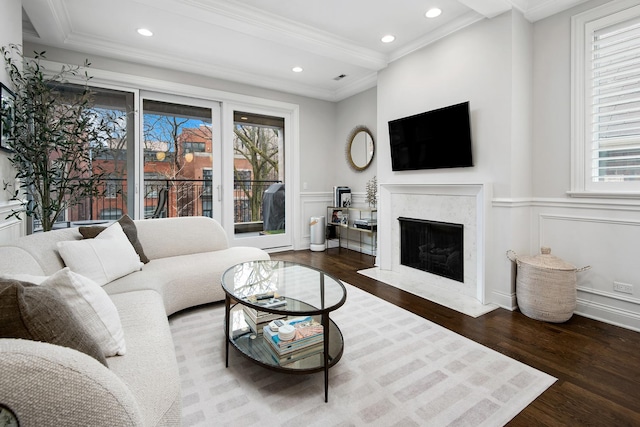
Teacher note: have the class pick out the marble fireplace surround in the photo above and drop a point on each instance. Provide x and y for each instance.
(465, 204)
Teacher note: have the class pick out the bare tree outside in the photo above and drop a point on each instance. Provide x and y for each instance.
(259, 145)
(176, 142)
(115, 154)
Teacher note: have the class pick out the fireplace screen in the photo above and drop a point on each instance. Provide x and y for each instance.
(432, 246)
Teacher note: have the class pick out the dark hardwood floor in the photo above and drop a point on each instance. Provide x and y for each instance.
(597, 365)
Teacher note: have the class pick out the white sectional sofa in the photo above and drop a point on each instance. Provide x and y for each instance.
(47, 384)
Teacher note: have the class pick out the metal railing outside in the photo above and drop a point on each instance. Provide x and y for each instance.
(182, 197)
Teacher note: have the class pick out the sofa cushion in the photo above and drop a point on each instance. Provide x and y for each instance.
(168, 237)
(186, 280)
(107, 257)
(39, 313)
(14, 259)
(40, 248)
(149, 369)
(129, 228)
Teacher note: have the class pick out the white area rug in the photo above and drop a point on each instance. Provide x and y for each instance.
(461, 303)
(397, 369)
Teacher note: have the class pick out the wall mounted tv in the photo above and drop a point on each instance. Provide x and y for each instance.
(435, 139)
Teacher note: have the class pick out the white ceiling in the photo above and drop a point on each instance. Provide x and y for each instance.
(258, 42)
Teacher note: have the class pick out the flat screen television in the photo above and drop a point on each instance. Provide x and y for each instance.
(435, 139)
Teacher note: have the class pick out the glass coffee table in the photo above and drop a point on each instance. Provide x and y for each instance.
(290, 292)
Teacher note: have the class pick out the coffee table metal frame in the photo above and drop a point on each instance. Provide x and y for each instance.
(252, 346)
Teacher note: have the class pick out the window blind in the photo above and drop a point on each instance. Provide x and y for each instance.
(615, 102)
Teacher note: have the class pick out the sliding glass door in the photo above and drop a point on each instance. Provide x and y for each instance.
(175, 156)
(235, 172)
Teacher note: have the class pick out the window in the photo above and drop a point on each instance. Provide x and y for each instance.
(193, 147)
(606, 90)
(110, 214)
(178, 140)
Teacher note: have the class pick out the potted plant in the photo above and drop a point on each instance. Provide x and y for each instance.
(56, 133)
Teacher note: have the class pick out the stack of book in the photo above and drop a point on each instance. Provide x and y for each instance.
(341, 196)
(257, 320)
(307, 340)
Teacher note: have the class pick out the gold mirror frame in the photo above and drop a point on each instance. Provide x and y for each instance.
(360, 148)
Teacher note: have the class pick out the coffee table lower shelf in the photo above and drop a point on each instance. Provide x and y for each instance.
(254, 347)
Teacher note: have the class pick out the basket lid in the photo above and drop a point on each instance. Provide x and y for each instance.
(545, 260)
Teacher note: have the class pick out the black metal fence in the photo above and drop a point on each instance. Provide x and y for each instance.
(167, 198)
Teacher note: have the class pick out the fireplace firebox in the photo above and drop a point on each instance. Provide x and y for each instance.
(432, 246)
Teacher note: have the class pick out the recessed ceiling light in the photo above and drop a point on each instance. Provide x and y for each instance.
(144, 32)
(388, 38)
(297, 69)
(432, 13)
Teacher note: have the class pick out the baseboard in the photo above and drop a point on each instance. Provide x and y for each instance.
(504, 300)
(608, 314)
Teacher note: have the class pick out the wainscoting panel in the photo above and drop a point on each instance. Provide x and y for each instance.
(610, 246)
(311, 204)
(601, 233)
(10, 228)
(604, 236)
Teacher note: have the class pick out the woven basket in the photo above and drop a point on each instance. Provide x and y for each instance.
(545, 286)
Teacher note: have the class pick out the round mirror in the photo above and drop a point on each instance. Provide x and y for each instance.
(360, 148)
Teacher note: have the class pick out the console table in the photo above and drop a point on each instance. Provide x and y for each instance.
(361, 221)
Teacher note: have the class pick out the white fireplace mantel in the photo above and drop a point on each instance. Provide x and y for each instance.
(393, 196)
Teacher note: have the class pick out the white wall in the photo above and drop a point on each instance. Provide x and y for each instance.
(10, 32)
(357, 110)
(486, 65)
(603, 233)
(472, 65)
(552, 102)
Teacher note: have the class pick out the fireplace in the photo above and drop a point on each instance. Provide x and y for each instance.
(432, 246)
(457, 203)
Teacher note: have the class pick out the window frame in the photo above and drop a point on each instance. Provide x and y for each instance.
(582, 26)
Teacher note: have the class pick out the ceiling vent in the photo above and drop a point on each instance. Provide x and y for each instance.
(340, 77)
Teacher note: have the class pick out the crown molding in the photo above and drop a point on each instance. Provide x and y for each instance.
(488, 8)
(41, 13)
(465, 20)
(50, 19)
(92, 45)
(275, 28)
(357, 86)
(546, 8)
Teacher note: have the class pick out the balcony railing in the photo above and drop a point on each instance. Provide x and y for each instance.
(167, 198)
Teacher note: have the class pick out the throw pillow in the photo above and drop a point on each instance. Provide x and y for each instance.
(103, 259)
(93, 307)
(129, 228)
(38, 313)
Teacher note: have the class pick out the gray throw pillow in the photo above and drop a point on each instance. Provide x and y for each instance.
(39, 313)
(129, 228)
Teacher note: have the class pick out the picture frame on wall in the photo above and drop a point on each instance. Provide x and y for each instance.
(7, 116)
